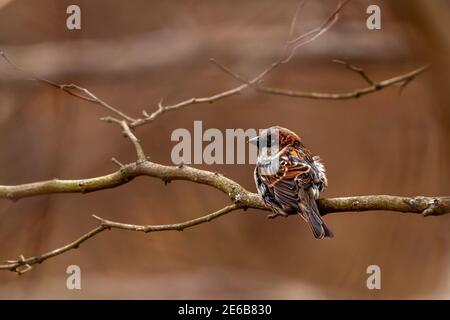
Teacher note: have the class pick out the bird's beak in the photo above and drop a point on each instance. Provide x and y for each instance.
(253, 140)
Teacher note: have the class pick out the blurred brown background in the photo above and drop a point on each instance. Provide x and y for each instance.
(132, 54)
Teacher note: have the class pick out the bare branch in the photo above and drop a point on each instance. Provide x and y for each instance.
(229, 71)
(356, 69)
(312, 35)
(291, 47)
(126, 174)
(72, 89)
(23, 264)
(55, 186)
(169, 227)
(426, 206)
(210, 99)
(117, 162)
(18, 265)
(127, 132)
(421, 205)
(235, 191)
(402, 79)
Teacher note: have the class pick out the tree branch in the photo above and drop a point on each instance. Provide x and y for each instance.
(169, 227)
(124, 175)
(130, 135)
(291, 47)
(401, 80)
(420, 205)
(426, 206)
(356, 69)
(72, 89)
(23, 264)
(236, 193)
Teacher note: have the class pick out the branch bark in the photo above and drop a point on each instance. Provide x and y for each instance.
(23, 264)
(244, 200)
(236, 193)
(401, 80)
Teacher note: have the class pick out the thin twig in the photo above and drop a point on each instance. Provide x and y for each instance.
(169, 227)
(356, 69)
(290, 49)
(229, 71)
(127, 132)
(17, 265)
(72, 89)
(23, 264)
(117, 162)
(312, 35)
(402, 79)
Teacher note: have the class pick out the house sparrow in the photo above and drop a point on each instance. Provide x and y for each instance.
(296, 179)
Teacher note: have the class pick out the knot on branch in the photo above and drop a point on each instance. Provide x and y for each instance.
(355, 205)
(19, 266)
(432, 208)
(82, 186)
(235, 195)
(10, 196)
(416, 202)
(103, 225)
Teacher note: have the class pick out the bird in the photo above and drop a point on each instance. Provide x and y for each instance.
(289, 178)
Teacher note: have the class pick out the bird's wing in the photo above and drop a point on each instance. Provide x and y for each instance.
(292, 189)
(282, 188)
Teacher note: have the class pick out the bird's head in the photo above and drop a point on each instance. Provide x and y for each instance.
(285, 138)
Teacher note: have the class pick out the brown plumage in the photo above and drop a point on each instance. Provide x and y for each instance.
(290, 180)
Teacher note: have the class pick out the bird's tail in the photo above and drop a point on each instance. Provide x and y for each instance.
(310, 213)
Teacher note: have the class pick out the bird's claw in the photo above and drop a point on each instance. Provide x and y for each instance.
(276, 214)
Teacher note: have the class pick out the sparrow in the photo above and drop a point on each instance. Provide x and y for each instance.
(289, 178)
